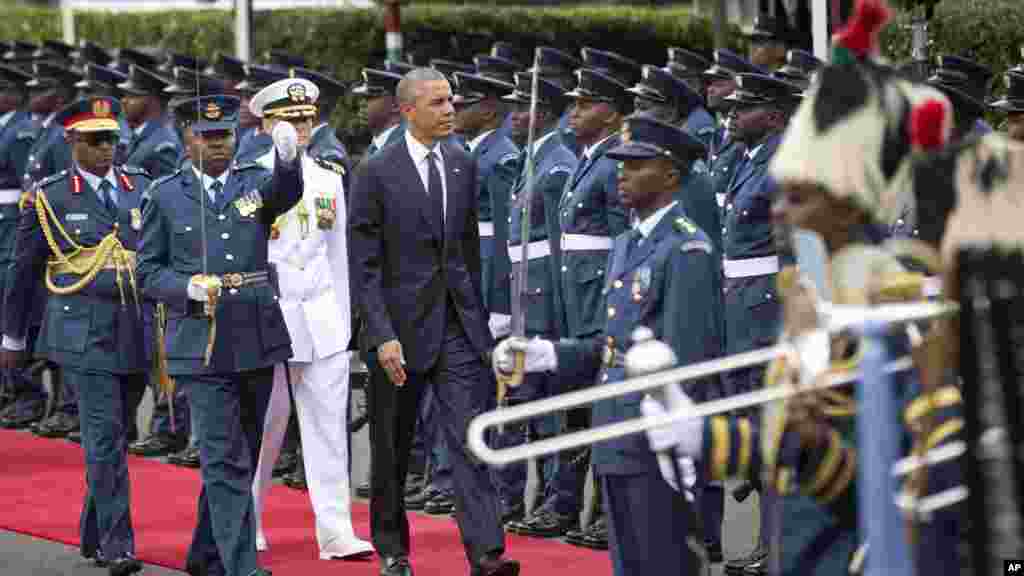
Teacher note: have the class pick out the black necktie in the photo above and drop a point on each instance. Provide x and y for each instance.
(436, 192)
(107, 194)
(214, 191)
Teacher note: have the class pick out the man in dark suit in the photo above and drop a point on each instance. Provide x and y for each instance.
(415, 257)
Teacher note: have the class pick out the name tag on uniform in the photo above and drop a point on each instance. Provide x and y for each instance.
(76, 217)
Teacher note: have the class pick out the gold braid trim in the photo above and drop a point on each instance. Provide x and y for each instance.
(84, 261)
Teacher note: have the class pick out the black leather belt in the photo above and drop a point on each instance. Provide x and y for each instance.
(239, 279)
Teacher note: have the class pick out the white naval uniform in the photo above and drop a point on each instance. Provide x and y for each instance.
(313, 277)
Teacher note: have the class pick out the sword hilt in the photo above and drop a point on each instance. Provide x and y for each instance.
(513, 379)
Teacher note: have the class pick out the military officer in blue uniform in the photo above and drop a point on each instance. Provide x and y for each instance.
(257, 143)
(22, 401)
(725, 151)
(93, 322)
(671, 100)
(688, 66)
(800, 66)
(554, 164)
(623, 69)
(661, 276)
(323, 142)
(153, 145)
(1011, 105)
(560, 68)
(225, 330)
(480, 113)
(382, 116)
(760, 110)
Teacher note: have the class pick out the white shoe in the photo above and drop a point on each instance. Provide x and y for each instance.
(347, 548)
(261, 543)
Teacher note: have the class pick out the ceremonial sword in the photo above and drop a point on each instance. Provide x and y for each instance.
(519, 281)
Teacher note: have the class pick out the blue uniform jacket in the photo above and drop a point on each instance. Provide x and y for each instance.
(542, 304)
(665, 283)
(723, 159)
(251, 332)
(497, 163)
(155, 149)
(590, 205)
(325, 146)
(93, 328)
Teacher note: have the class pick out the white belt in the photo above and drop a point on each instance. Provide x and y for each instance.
(932, 287)
(750, 267)
(535, 250)
(486, 229)
(573, 242)
(10, 196)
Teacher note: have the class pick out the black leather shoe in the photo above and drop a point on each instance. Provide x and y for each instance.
(58, 425)
(496, 566)
(759, 568)
(414, 484)
(543, 523)
(443, 503)
(21, 415)
(363, 490)
(595, 536)
(286, 463)
(742, 491)
(189, 457)
(418, 501)
(395, 566)
(737, 565)
(296, 479)
(155, 446)
(512, 511)
(123, 566)
(713, 550)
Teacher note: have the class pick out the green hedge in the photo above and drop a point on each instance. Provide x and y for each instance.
(344, 41)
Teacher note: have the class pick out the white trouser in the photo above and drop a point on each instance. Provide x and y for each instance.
(321, 394)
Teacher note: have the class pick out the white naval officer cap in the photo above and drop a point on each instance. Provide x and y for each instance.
(287, 98)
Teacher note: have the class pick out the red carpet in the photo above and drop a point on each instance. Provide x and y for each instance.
(43, 491)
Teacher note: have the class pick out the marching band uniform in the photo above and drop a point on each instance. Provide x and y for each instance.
(94, 318)
(309, 251)
(661, 275)
(225, 363)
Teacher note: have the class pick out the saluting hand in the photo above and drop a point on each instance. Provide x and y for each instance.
(389, 354)
(286, 141)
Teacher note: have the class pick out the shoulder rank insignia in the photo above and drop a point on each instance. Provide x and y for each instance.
(245, 166)
(683, 224)
(126, 182)
(696, 245)
(76, 184)
(336, 167)
(52, 178)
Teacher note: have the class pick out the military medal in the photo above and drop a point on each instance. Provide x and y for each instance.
(136, 219)
(326, 211)
(303, 218)
(275, 228)
(641, 283)
(248, 205)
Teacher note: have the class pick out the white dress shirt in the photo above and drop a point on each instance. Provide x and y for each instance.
(419, 154)
(94, 182)
(208, 181)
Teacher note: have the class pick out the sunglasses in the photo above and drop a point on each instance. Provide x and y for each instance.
(101, 138)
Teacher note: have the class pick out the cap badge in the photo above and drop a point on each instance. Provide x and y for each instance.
(213, 111)
(297, 93)
(101, 108)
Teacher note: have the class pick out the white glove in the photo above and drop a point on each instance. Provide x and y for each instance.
(500, 325)
(196, 291)
(540, 355)
(286, 141)
(686, 436)
(13, 344)
(686, 467)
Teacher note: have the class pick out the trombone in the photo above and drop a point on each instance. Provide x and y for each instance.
(836, 318)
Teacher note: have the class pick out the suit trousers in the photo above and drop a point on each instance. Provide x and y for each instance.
(106, 406)
(463, 388)
(648, 525)
(230, 409)
(320, 389)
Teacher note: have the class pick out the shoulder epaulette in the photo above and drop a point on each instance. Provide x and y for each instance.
(134, 170)
(53, 178)
(559, 168)
(336, 167)
(510, 157)
(168, 145)
(245, 166)
(696, 246)
(165, 178)
(683, 224)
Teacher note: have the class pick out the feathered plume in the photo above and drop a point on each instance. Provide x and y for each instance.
(929, 125)
(858, 38)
